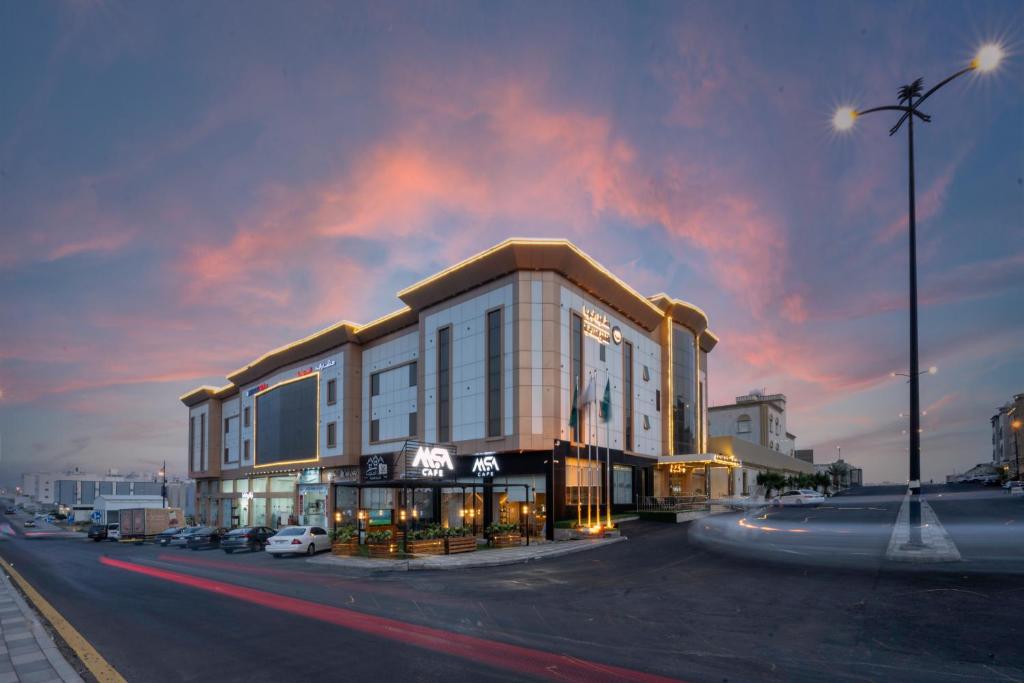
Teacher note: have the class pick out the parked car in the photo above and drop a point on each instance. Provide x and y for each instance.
(114, 531)
(30, 522)
(798, 497)
(205, 537)
(1010, 483)
(165, 536)
(180, 539)
(97, 532)
(248, 538)
(10, 511)
(296, 540)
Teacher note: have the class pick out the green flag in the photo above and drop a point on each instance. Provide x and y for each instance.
(574, 413)
(606, 402)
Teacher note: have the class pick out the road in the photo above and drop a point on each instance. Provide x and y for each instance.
(658, 605)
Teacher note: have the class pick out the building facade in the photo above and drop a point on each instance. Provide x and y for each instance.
(1006, 441)
(757, 417)
(482, 364)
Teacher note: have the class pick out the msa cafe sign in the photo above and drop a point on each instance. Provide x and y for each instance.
(596, 325)
(485, 466)
(432, 461)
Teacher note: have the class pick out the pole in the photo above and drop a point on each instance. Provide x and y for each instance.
(915, 398)
(163, 486)
(608, 467)
(590, 483)
(1016, 450)
(579, 432)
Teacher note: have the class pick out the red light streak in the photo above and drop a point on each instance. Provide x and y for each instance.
(489, 652)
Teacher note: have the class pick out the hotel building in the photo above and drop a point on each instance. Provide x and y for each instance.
(456, 408)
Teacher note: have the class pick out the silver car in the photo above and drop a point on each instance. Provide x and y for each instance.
(181, 538)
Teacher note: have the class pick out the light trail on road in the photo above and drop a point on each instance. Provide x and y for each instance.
(494, 653)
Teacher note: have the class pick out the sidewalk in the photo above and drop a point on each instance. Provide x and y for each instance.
(480, 558)
(27, 653)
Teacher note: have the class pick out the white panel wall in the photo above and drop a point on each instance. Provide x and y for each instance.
(397, 399)
(328, 413)
(468, 320)
(645, 352)
(198, 456)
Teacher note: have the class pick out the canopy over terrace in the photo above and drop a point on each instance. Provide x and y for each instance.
(694, 474)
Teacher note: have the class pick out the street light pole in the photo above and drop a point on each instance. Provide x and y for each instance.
(910, 99)
(1016, 424)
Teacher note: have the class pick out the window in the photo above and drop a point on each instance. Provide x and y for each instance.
(684, 386)
(227, 425)
(246, 449)
(601, 352)
(494, 373)
(412, 374)
(627, 391)
(375, 384)
(332, 392)
(657, 400)
(444, 384)
(202, 441)
(647, 423)
(576, 370)
(374, 430)
(246, 417)
(412, 423)
(647, 374)
(332, 434)
(743, 424)
(191, 440)
(225, 455)
(622, 484)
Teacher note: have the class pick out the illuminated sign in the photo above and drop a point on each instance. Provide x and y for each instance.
(256, 390)
(677, 468)
(323, 365)
(247, 495)
(375, 468)
(485, 466)
(432, 462)
(595, 325)
(616, 335)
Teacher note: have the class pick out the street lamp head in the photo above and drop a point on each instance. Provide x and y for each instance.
(844, 118)
(1016, 424)
(932, 370)
(988, 58)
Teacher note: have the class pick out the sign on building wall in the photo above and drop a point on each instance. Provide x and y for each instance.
(596, 325)
(378, 467)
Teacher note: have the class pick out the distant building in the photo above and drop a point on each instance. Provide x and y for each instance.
(851, 474)
(1004, 448)
(77, 489)
(805, 454)
(757, 417)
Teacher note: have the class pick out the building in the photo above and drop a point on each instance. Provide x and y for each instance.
(107, 506)
(456, 408)
(848, 475)
(805, 454)
(757, 417)
(1006, 442)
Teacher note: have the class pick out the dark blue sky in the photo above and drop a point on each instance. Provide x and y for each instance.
(184, 186)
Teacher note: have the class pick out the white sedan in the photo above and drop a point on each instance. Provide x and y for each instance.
(798, 497)
(296, 540)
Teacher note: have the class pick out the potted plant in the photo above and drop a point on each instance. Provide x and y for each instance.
(426, 541)
(459, 539)
(380, 543)
(504, 535)
(345, 540)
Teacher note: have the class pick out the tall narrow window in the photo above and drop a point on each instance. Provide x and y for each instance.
(374, 430)
(192, 441)
(332, 434)
(412, 423)
(227, 425)
(332, 391)
(627, 390)
(202, 442)
(412, 374)
(494, 373)
(247, 417)
(375, 384)
(444, 384)
(246, 450)
(576, 371)
(225, 455)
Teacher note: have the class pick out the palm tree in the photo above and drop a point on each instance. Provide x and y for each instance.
(822, 480)
(838, 471)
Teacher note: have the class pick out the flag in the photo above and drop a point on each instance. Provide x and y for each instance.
(606, 402)
(574, 413)
(589, 395)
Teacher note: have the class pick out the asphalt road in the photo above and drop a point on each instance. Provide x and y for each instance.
(658, 605)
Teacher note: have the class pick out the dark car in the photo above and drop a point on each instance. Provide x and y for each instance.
(248, 538)
(205, 537)
(165, 536)
(98, 532)
(10, 511)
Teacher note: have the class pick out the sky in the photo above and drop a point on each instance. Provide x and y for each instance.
(184, 186)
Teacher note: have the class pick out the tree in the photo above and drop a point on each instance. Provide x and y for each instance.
(771, 481)
(821, 480)
(838, 472)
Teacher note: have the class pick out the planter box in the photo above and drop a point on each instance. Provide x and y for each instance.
(430, 546)
(460, 544)
(383, 549)
(507, 540)
(347, 548)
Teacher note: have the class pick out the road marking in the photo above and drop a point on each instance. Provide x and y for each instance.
(540, 663)
(92, 659)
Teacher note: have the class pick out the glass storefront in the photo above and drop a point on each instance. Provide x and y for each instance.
(281, 512)
(684, 410)
(313, 501)
(259, 512)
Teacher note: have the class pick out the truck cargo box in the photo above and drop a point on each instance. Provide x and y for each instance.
(142, 524)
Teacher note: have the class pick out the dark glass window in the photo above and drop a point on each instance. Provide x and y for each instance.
(657, 400)
(374, 430)
(444, 384)
(627, 390)
(494, 373)
(225, 455)
(332, 391)
(286, 422)
(191, 440)
(412, 374)
(332, 434)
(576, 363)
(412, 423)
(227, 425)
(684, 386)
(375, 384)
(601, 352)
(246, 449)
(202, 441)
(247, 418)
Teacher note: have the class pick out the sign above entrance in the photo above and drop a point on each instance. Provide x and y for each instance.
(379, 467)
(596, 325)
(428, 460)
(485, 466)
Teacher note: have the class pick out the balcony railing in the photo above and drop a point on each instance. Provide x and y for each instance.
(672, 503)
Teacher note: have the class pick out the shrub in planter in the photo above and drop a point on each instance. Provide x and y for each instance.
(504, 535)
(345, 541)
(380, 543)
(459, 539)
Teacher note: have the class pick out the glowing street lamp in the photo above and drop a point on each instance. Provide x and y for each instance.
(1016, 424)
(910, 98)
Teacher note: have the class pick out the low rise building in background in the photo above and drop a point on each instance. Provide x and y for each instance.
(758, 417)
(1006, 441)
(844, 474)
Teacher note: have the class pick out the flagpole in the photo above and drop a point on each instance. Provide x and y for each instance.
(579, 498)
(608, 453)
(590, 484)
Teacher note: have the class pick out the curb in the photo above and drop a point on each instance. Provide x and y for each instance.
(936, 543)
(431, 563)
(53, 655)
